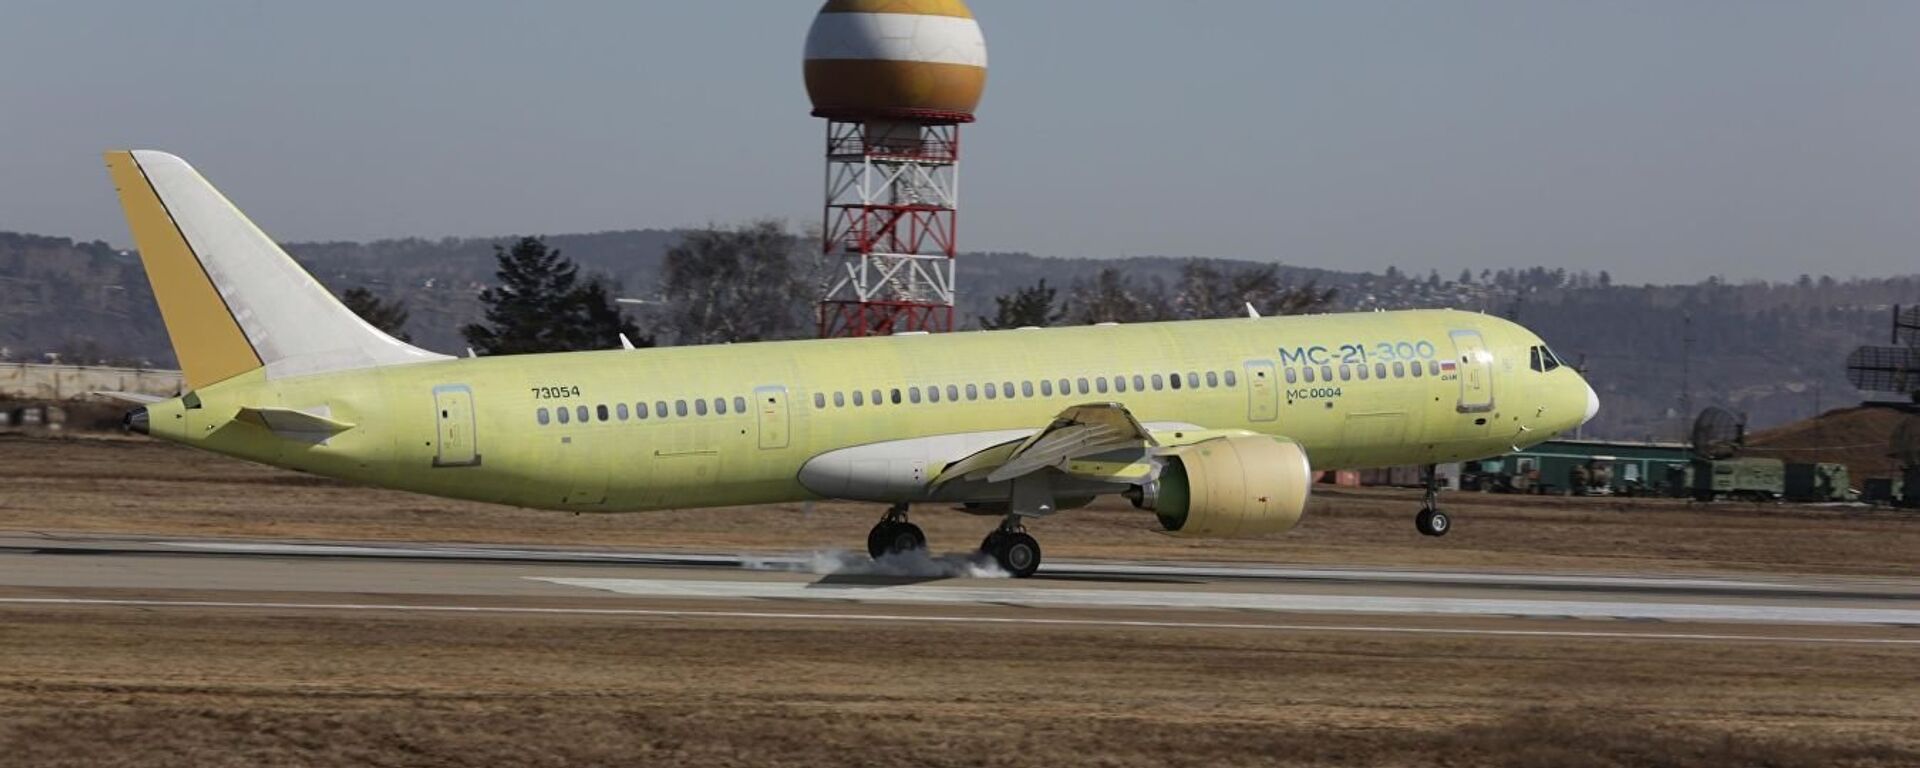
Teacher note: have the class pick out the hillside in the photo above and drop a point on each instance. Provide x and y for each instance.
(1857, 437)
(1772, 350)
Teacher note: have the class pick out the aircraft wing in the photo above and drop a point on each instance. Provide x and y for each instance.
(136, 398)
(1080, 431)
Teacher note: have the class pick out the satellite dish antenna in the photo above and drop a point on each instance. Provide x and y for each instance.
(1904, 447)
(1885, 369)
(1717, 433)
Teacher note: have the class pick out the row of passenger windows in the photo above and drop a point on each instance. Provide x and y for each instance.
(1007, 390)
(1346, 372)
(953, 393)
(619, 411)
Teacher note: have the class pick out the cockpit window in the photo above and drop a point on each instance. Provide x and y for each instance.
(1542, 359)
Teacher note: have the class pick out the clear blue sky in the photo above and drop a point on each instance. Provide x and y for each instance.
(1659, 140)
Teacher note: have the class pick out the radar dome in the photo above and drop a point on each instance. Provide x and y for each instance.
(895, 59)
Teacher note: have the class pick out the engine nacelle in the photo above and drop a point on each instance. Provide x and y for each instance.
(1230, 487)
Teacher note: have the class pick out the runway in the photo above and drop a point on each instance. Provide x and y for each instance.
(157, 573)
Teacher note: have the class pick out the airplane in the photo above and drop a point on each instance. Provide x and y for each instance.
(1214, 426)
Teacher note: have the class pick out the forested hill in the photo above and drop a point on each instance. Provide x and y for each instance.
(1772, 350)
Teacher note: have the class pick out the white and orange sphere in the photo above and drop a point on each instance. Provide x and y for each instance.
(913, 59)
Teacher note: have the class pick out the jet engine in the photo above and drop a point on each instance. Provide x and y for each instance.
(1229, 487)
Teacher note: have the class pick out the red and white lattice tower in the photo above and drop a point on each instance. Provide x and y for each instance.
(895, 79)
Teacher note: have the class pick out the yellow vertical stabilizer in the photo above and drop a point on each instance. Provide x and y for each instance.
(206, 338)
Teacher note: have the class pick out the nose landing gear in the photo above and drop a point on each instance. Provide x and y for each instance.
(1431, 521)
(894, 534)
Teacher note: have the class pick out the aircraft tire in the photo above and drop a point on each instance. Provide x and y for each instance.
(1433, 522)
(1017, 553)
(892, 536)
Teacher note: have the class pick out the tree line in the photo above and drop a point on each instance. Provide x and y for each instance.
(760, 282)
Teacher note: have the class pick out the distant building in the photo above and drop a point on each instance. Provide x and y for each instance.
(1597, 467)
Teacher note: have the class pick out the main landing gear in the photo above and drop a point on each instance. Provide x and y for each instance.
(1009, 545)
(894, 534)
(1431, 521)
(1012, 548)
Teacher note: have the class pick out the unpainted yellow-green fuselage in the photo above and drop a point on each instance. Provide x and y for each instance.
(408, 431)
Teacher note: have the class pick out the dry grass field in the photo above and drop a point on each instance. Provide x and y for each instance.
(92, 687)
(146, 487)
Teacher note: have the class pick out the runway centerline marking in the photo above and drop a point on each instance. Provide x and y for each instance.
(1246, 601)
(904, 618)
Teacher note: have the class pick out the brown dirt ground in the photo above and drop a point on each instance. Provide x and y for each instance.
(1858, 437)
(92, 687)
(137, 486)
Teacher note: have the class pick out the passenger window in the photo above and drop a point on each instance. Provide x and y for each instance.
(1006, 389)
(913, 394)
(1193, 380)
(1433, 367)
(1100, 384)
(895, 392)
(1416, 366)
(1159, 383)
(564, 414)
(1173, 380)
(1066, 387)
(953, 393)
(1306, 373)
(1379, 370)
(1346, 372)
(1361, 369)
(859, 398)
(876, 397)
(1084, 389)
(739, 404)
(620, 411)
(1026, 389)
(1232, 380)
(933, 394)
(1399, 370)
(699, 407)
(640, 410)
(1119, 383)
(992, 391)
(1291, 376)
(1046, 387)
(660, 408)
(542, 416)
(973, 391)
(720, 406)
(839, 399)
(1213, 379)
(1326, 373)
(819, 400)
(581, 413)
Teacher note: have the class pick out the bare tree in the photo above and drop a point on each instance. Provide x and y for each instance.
(1207, 290)
(1111, 296)
(752, 282)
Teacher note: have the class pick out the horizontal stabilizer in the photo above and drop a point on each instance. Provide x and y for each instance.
(291, 422)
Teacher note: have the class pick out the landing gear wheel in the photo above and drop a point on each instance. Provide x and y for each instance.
(893, 536)
(1432, 522)
(1016, 552)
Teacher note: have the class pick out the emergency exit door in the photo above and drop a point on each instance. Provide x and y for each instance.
(1263, 393)
(770, 404)
(1475, 366)
(457, 445)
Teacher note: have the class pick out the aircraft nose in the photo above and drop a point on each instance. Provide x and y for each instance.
(1593, 403)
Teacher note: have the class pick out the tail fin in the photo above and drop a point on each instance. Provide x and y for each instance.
(232, 300)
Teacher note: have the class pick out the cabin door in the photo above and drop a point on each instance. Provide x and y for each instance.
(770, 403)
(456, 445)
(1263, 392)
(1475, 371)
